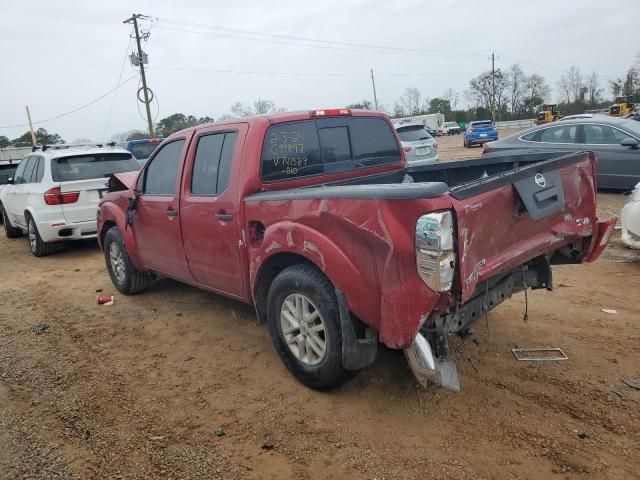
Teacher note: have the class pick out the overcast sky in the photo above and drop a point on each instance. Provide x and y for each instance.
(57, 56)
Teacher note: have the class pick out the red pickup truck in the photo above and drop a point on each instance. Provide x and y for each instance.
(313, 218)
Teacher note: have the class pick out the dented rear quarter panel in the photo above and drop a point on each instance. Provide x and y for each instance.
(365, 247)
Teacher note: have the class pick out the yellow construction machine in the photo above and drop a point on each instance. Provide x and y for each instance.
(622, 107)
(548, 114)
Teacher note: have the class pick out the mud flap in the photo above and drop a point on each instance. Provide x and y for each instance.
(357, 353)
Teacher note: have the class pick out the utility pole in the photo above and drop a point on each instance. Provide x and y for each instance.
(375, 97)
(134, 19)
(493, 88)
(33, 135)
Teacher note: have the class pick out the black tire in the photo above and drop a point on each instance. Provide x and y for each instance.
(128, 280)
(310, 282)
(466, 145)
(38, 247)
(9, 230)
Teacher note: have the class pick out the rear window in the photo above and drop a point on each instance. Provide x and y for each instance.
(328, 145)
(85, 167)
(413, 133)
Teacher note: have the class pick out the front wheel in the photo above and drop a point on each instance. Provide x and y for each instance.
(124, 275)
(304, 323)
(39, 248)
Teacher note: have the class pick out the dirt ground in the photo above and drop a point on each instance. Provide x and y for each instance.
(141, 389)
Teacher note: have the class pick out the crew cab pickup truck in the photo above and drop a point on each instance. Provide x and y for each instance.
(313, 218)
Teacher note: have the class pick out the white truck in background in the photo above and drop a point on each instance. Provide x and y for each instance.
(431, 121)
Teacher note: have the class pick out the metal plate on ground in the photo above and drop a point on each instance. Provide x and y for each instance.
(539, 354)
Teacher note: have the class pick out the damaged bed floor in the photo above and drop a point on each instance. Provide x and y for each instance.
(179, 383)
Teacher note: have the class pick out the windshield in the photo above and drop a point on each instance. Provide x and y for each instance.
(85, 167)
(413, 133)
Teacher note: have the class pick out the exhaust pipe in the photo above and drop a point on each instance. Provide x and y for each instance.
(428, 369)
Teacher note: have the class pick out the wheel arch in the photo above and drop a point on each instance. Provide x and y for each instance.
(268, 270)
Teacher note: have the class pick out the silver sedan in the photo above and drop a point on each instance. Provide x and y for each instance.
(420, 148)
(615, 140)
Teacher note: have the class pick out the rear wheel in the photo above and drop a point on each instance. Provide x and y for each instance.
(38, 247)
(9, 230)
(124, 275)
(304, 323)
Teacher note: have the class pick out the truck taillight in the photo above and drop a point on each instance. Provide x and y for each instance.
(331, 112)
(54, 196)
(435, 256)
(407, 149)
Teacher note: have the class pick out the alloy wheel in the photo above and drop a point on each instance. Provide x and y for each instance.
(303, 329)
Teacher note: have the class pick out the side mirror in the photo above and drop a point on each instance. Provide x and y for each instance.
(631, 143)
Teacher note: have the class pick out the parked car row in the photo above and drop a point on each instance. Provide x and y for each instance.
(317, 219)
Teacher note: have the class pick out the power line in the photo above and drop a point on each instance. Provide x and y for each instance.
(74, 110)
(307, 74)
(312, 40)
(323, 46)
(115, 95)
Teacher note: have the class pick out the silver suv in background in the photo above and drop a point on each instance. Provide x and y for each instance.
(420, 148)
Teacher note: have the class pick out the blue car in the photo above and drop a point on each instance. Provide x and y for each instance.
(142, 149)
(479, 133)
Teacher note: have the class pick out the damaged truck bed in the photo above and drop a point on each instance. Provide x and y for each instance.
(312, 217)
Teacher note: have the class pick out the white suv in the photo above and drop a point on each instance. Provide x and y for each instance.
(55, 191)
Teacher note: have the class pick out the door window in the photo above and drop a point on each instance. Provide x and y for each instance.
(212, 163)
(603, 135)
(39, 171)
(17, 178)
(28, 170)
(560, 134)
(161, 173)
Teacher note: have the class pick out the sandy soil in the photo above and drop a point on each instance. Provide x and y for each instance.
(140, 389)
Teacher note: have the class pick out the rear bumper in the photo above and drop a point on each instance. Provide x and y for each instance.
(55, 231)
(420, 161)
(480, 141)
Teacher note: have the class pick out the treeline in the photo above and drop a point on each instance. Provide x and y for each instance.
(42, 137)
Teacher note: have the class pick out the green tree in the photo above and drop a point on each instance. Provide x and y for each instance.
(440, 105)
(178, 121)
(137, 135)
(42, 138)
(4, 141)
